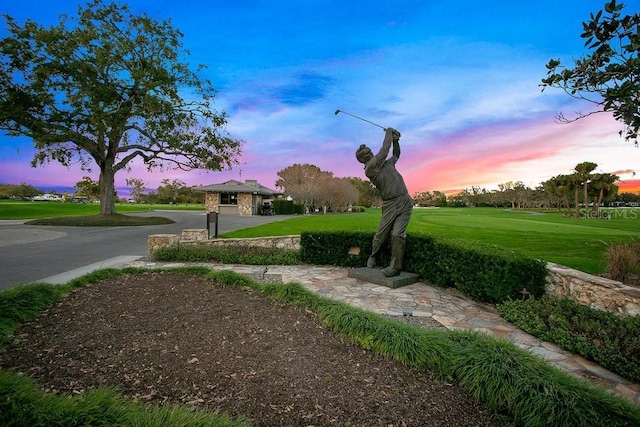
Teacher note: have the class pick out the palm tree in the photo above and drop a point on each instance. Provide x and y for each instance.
(581, 176)
(603, 186)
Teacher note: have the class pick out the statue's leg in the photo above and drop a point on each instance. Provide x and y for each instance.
(384, 228)
(378, 240)
(399, 237)
(397, 252)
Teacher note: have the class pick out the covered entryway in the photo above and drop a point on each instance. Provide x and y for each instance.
(238, 198)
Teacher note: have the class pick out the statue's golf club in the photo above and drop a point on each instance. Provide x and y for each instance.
(364, 120)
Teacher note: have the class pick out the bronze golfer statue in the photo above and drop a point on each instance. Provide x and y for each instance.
(396, 202)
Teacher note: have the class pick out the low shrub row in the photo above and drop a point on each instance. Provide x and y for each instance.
(251, 255)
(611, 341)
(22, 403)
(483, 272)
(286, 207)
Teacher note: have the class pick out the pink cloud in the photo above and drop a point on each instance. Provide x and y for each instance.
(629, 186)
(488, 155)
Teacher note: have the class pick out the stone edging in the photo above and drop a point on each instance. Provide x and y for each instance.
(593, 291)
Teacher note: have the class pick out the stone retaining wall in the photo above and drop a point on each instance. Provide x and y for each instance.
(158, 241)
(200, 237)
(592, 291)
(280, 242)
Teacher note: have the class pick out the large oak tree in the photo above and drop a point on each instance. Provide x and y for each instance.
(105, 88)
(609, 76)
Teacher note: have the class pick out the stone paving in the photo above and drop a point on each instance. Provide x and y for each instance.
(446, 306)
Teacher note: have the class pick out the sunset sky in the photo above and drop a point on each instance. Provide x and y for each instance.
(460, 80)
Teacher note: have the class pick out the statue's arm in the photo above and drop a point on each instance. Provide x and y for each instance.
(396, 148)
(386, 145)
(395, 137)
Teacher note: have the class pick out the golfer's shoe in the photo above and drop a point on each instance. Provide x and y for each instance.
(390, 272)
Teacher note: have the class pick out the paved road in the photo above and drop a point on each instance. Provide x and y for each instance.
(30, 253)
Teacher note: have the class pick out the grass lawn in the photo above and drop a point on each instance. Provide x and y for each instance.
(575, 242)
(10, 209)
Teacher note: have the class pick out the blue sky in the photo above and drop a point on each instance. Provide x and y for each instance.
(460, 80)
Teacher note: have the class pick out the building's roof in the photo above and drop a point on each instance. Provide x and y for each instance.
(249, 186)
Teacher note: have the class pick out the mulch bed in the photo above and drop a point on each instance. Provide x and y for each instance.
(175, 338)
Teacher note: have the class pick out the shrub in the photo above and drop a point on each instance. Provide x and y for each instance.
(22, 304)
(483, 272)
(333, 247)
(286, 207)
(611, 341)
(358, 209)
(253, 255)
(623, 260)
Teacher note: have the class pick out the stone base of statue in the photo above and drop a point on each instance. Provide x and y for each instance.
(374, 275)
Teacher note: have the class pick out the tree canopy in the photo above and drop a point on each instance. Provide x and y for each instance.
(313, 187)
(87, 188)
(106, 88)
(608, 77)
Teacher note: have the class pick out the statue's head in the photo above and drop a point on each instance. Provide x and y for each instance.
(363, 154)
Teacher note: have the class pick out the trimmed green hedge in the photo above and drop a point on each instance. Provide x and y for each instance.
(252, 255)
(483, 272)
(286, 207)
(610, 340)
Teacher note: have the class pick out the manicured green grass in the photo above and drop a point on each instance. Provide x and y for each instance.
(117, 220)
(10, 209)
(579, 243)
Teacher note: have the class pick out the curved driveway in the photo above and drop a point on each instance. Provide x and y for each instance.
(30, 253)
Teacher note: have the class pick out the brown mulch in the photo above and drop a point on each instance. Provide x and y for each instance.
(176, 338)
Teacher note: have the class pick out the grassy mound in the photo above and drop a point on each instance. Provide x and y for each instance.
(115, 220)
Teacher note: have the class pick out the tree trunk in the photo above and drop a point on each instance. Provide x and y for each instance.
(107, 191)
(577, 197)
(586, 196)
(600, 197)
(565, 198)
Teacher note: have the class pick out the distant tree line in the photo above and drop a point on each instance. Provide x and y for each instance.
(170, 192)
(571, 193)
(315, 189)
(583, 188)
(18, 191)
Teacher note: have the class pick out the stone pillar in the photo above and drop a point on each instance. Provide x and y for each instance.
(194, 234)
(158, 241)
